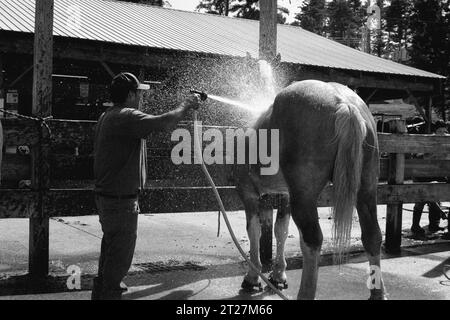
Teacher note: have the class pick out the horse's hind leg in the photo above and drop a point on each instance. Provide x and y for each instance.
(371, 233)
(311, 239)
(278, 276)
(305, 185)
(251, 280)
(252, 204)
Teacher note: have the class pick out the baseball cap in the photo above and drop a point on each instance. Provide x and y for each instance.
(129, 81)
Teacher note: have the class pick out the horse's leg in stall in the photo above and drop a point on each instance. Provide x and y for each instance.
(305, 185)
(371, 236)
(311, 239)
(251, 279)
(250, 199)
(278, 277)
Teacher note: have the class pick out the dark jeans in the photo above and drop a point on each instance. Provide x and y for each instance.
(119, 225)
(434, 214)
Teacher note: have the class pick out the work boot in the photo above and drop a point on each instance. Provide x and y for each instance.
(97, 289)
(417, 230)
(112, 294)
(435, 228)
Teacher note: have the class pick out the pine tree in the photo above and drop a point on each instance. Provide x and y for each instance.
(430, 43)
(430, 35)
(312, 16)
(397, 19)
(220, 7)
(380, 38)
(397, 16)
(159, 3)
(342, 26)
(247, 9)
(359, 12)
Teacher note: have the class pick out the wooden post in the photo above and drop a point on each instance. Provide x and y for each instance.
(268, 30)
(267, 52)
(1, 77)
(2, 105)
(428, 113)
(394, 211)
(42, 100)
(365, 34)
(2, 85)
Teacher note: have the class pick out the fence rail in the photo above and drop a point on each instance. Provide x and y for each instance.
(182, 188)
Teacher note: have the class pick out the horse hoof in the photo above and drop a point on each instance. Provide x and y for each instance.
(277, 284)
(249, 287)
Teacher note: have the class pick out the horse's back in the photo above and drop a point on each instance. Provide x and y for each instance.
(304, 113)
(314, 96)
(307, 110)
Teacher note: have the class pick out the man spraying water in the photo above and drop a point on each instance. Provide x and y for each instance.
(120, 174)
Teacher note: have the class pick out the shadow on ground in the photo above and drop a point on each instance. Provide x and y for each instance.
(158, 277)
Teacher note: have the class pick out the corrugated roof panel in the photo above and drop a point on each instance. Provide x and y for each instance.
(149, 26)
(10, 18)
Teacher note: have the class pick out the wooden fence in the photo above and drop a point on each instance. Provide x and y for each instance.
(182, 188)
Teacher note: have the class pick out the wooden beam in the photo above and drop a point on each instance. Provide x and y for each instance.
(107, 68)
(2, 79)
(367, 80)
(394, 211)
(71, 134)
(2, 105)
(419, 168)
(15, 168)
(267, 52)
(16, 203)
(121, 54)
(43, 59)
(432, 169)
(429, 114)
(42, 99)
(19, 132)
(371, 96)
(268, 30)
(80, 202)
(414, 143)
(23, 74)
(165, 173)
(416, 104)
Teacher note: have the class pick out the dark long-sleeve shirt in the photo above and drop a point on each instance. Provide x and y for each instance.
(119, 150)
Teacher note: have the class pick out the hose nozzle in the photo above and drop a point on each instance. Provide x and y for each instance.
(203, 95)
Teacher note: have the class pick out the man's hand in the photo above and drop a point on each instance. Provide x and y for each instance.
(192, 102)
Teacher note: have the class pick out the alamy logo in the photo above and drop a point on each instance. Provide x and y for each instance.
(74, 280)
(243, 147)
(374, 280)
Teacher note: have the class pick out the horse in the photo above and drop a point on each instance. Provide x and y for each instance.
(326, 135)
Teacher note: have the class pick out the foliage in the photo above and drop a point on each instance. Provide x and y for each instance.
(219, 7)
(312, 16)
(151, 2)
(246, 9)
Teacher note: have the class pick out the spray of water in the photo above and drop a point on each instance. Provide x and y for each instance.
(261, 99)
(268, 80)
(232, 102)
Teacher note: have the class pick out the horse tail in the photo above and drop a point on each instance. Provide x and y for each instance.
(350, 133)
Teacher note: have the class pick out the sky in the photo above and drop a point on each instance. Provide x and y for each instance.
(189, 5)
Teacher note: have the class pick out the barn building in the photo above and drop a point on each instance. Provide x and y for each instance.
(176, 50)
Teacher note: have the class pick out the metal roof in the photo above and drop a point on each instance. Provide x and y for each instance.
(150, 26)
